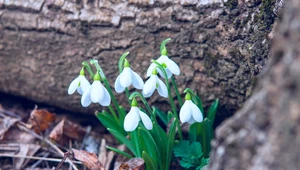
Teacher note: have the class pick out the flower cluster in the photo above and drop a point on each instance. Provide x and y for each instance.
(97, 93)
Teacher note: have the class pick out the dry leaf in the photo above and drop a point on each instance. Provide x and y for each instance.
(41, 120)
(5, 124)
(88, 159)
(20, 150)
(133, 164)
(68, 129)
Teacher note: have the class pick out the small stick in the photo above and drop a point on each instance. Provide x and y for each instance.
(37, 158)
(47, 141)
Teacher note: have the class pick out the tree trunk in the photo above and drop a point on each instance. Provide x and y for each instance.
(265, 133)
(221, 47)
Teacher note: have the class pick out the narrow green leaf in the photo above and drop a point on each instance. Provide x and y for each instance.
(122, 114)
(160, 137)
(150, 165)
(136, 143)
(108, 121)
(163, 116)
(212, 111)
(148, 144)
(207, 136)
(171, 140)
(123, 139)
(119, 151)
(195, 132)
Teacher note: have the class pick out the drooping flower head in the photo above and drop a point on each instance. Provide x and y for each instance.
(128, 77)
(170, 66)
(96, 93)
(155, 83)
(134, 116)
(80, 83)
(190, 112)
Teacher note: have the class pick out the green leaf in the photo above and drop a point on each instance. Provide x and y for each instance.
(119, 151)
(124, 140)
(122, 114)
(207, 137)
(150, 165)
(148, 144)
(195, 132)
(135, 140)
(180, 149)
(163, 44)
(212, 111)
(163, 116)
(185, 164)
(195, 150)
(171, 140)
(108, 121)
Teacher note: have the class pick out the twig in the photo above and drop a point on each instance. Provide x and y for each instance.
(39, 161)
(47, 141)
(37, 158)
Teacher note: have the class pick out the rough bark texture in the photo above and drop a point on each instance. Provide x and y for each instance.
(221, 47)
(265, 133)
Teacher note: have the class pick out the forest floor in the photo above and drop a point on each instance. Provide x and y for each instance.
(38, 136)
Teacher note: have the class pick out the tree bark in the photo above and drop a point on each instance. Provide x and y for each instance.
(221, 47)
(265, 133)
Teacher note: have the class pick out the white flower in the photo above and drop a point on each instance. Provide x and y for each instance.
(96, 93)
(126, 78)
(155, 83)
(133, 117)
(170, 66)
(81, 84)
(190, 113)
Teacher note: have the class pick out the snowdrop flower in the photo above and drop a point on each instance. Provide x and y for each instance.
(189, 112)
(80, 84)
(134, 116)
(96, 93)
(128, 77)
(170, 66)
(155, 83)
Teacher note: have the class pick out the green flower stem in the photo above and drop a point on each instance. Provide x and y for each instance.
(120, 66)
(88, 68)
(127, 95)
(176, 91)
(113, 113)
(135, 94)
(170, 97)
(107, 86)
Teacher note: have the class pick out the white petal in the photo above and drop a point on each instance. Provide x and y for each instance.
(196, 113)
(146, 120)
(132, 119)
(73, 85)
(86, 98)
(191, 121)
(162, 89)
(150, 86)
(84, 83)
(79, 90)
(185, 112)
(162, 59)
(96, 91)
(105, 101)
(169, 74)
(125, 77)
(137, 81)
(172, 66)
(118, 87)
(150, 69)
